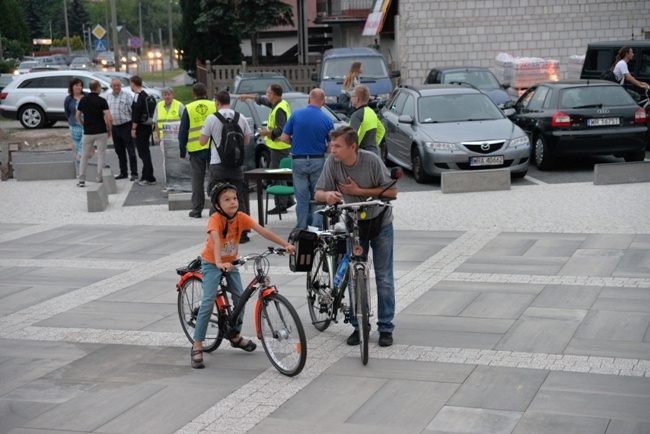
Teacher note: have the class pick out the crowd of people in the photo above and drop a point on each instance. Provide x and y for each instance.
(328, 165)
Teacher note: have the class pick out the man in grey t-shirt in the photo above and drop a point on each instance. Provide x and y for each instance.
(353, 175)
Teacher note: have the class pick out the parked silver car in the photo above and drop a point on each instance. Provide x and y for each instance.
(438, 128)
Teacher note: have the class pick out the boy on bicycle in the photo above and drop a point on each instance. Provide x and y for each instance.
(354, 175)
(224, 232)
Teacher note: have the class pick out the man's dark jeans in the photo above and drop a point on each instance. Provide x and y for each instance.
(199, 167)
(124, 147)
(143, 134)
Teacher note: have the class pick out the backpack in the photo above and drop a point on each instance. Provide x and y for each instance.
(231, 146)
(609, 76)
(150, 109)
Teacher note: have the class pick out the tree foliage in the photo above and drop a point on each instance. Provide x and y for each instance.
(78, 18)
(12, 24)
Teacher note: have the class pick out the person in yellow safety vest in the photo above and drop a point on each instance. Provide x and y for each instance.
(189, 132)
(167, 110)
(280, 112)
(365, 122)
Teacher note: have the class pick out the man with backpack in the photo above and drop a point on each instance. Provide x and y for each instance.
(141, 124)
(228, 132)
(199, 154)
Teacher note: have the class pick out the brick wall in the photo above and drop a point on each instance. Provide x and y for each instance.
(447, 33)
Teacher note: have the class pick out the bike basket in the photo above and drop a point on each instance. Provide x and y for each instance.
(305, 243)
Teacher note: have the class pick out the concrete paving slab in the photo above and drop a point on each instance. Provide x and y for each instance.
(473, 421)
(494, 305)
(616, 326)
(532, 422)
(567, 297)
(499, 388)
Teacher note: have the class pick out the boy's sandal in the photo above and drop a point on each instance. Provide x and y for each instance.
(197, 363)
(249, 347)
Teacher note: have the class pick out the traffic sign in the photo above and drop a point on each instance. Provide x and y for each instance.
(100, 45)
(135, 42)
(99, 31)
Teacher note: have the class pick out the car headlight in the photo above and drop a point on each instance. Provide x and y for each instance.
(519, 141)
(104, 62)
(331, 99)
(441, 146)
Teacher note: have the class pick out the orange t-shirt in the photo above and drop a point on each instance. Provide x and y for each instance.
(229, 243)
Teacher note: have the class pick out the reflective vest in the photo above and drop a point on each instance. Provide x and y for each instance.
(165, 116)
(369, 122)
(277, 144)
(198, 111)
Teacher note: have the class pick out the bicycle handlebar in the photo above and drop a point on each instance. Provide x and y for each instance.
(271, 250)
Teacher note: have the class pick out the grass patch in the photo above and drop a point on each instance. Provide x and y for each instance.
(157, 75)
(183, 94)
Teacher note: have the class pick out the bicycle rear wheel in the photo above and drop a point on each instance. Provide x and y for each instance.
(362, 311)
(189, 302)
(282, 335)
(320, 299)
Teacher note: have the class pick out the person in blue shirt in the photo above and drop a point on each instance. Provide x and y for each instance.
(307, 131)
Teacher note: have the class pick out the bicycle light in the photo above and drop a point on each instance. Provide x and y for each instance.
(357, 250)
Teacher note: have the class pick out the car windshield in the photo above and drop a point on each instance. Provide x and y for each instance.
(27, 64)
(457, 108)
(483, 80)
(301, 102)
(594, 97)
(259, 84)
(373, 67)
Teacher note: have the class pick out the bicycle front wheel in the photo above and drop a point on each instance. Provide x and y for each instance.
(320, 299)
(362, 311)
(282, 334)
(189, 302)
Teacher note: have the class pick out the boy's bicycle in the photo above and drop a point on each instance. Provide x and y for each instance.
(276, 321)
(324, 293)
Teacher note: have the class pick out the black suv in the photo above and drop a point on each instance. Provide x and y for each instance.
(600, 57)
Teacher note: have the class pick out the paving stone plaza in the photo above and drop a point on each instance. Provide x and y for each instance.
(518, 311)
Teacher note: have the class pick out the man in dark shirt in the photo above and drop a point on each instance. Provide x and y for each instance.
(141, 132)
(95, 118)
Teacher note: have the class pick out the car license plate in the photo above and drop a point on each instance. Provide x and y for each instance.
(603, 122)
(486, 161)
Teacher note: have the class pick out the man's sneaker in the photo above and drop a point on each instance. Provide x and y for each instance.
(81, 184)
(145, 182)
(133, 178)
(195, 214)
(277, 210)
(244, 238)
(385, 339)
(120, 176)
(353, 339)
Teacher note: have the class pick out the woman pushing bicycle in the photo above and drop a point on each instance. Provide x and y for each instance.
(354, 175)
(224, 231)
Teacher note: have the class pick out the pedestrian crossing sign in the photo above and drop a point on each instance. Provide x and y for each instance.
(100, 45)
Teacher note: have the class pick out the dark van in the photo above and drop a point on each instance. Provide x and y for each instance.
(336, 64)
(600, 57)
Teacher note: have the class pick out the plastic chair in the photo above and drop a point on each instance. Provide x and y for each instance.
(279, 190)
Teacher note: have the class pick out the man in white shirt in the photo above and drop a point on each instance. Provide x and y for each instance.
(220, 172)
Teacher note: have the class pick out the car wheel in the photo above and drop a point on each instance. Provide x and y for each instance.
(263, 159)
(32, 117)
(635, 156)
(542, 154)
(383, 152)
(418, 172)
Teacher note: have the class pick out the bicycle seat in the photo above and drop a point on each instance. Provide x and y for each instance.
(192, 267)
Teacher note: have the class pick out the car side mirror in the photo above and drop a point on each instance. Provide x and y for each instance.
(314, 76)
(509, 105)
(405, 119)
(395, 74)
(509, 112)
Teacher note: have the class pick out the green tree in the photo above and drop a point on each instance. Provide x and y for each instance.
(258, 15)
(208, 32)
(34, 18)
(12, 25)
(77, 18)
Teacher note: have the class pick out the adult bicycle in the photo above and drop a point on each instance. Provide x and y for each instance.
(277, 323)
(326, 292)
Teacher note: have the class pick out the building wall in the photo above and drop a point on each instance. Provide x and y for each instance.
(447, 33)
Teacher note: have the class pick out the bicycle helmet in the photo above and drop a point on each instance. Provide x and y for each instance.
(215, 194)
